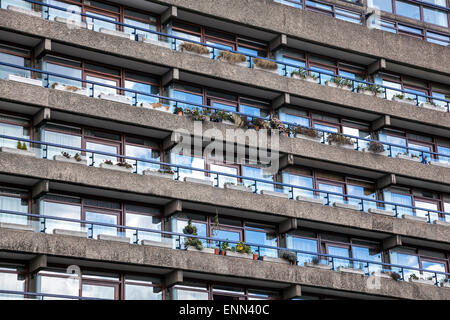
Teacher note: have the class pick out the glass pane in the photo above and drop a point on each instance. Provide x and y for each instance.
(142, 153)
(367, 254)
(13, 131)
(384, 5)
(435, 16)
(16, 3)
(61, 139)
(16, 60)
(390, 92)
(143, 221)
(180, 224)
(57, 285)
(61, 210)
(300, 181)
(96, 159)
(11, 282)
(13, 204)
(224, 179)
(226, 235)
(97, 291)
(307, 245)
(185, 97)
(136, 292)
(290, 118)
(98, 89)
(182, 294)
(423, 156)
(407, 10)
(361, 192)
(404, 259)
(423, 213)
(67, 71)
(433, 266)
(188, 161)
(257, 173)
(341, 252)
(400, 199)
(100, 23)
(443, 152)
(263, 238)
(102, 218)
(137, 99)
(331, 188)
(393, 150)
(71, 11)
(147, 35)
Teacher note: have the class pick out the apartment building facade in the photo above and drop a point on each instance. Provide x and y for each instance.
(351, 98)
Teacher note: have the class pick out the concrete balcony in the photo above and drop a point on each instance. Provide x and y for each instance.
(124, 256)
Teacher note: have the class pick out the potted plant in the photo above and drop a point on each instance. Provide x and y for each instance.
(395, 276)
(445, 283)
(178, 110)
(224, 248)
(402, 98)
(120, 166)
(194, 48)
(237, 186)
(339, 82)
(163, 173)
(370, 90)
(259, 124)
(231, 57)
(277, 124)
(241, 251)
(300, 74)
(70, 88)
(19, 78)
(337, 139)
(65, 156)
(289, 256)
(307, 133)
(406, 156)
(21, 146)
(264, 64)
(376, 147)
(433, 106)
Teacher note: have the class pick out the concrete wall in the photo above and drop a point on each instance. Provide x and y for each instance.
(76, 174)
(130, 254)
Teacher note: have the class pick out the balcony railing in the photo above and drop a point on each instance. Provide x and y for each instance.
(425, 156)
(178, 240)
(22, 295)
(328, 197)
(284, 68)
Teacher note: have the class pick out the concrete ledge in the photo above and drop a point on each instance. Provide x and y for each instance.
(423, 281)
(162, 244)
(275, 194)
(21, 152)
(116, 33)
(15, 226)
(25, 11)
(35, 82)
(130, 255)
(381, 275)
(442, 223)
(149, 172)
(414, 218)
(238, 187)
(239, 255)
(125, 184)
(439, 164)
(383, 212)
(309, 199)
(115, 167)
(204, 250)
(346, 206)
(108, 237)
(63, 232)
(318, 266)
(276, 260)
(199, 181)
(351, 270)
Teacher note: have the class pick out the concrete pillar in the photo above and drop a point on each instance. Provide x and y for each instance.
(44, 114)
(281, 101)
(43, 47)
(40, 188)
(291, 292)
(38, 263)
(377, 66)
(170, 13)
(286, 160)
(384, 121)
(392, 242)
(386, 181)
(287, 225)
(277, 42)
(171, 75)
(173, 207)
(174, 278)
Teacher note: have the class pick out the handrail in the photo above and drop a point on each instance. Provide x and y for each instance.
(285, 64)
(280, 185)
(176, 101)
(50, 295)
(178, 236)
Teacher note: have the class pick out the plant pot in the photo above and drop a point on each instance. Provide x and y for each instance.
(265, 69)
(276, 260)
(335, 85)
(222, 253)
(310, 79)
(35, 82)
(115, 98)
(180, 113)
(406, 157)
(256, 128)
(255, 256)
(115, 167)
(296, 76)
(422, 281)
(117, 33)
(204, 55)
(27, 153)
(153, 106)
(381, 275)
(155, 42)
(238, 187)
(343, 145)
(318, 265)
(203, 250)
(71, 159)
(228, 122)
(216, 251)
(25, 11)
(384, 153)
(240, 255)
(74, 23)
(427, 105)
(351, 270)
(82, 91)
(305, 137)
(445, 284)
(150, 172)
(404, 100)
(370, 93)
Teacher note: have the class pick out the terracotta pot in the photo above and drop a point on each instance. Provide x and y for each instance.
(257, 128)
(255, 256)
(222, 253)
(180, 113)
(216, 251)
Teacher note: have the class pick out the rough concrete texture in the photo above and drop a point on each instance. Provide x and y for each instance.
(150, 185)
(318, 28)
(110, 251)
(158, 55)
(119, 112)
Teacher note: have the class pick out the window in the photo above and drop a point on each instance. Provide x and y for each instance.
(142, 217)
(263, 235)
(142, 288)
(61, 207)
(13, 200)
(16, 56)
(308, 245)
(12, 278)
(258, 173)
(435, 16)
(15, 127)
(62, 135)
(384, 5)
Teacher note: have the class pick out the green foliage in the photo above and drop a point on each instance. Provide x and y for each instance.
(21, 146)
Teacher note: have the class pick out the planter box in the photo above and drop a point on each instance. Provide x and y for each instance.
(227, 122)
(27, 153)
(445, 284)
(157, 43)
(442, 223)
(82, 91)
(276, 260)
(351, 270)
(238, 187)
(402, 156)
(117, 33)
(305, 137)
(74, 23)
(310, 79)
(275, 194)
(309, 199)
(167, 243)
(296, 76)
(15, 226)
(204, 55)
(240, 255)
(383, 212)
(114, 167)
(204, 250)
(346, 206)
(150, 106)
(35, 82)
(25, 11)
(381, 275)
(345, 146)
(439, 164)
(115, 98)
(427, 105)
(318, 266)
(384, 153)
(240, 64)
(370, 93)
(423, 281)
(414, 218)
(404, 100)
(267, 70)
(108, 237)
(71, 233)
(71, 160)
(335, 85)
(207, 182)
(150, 172)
